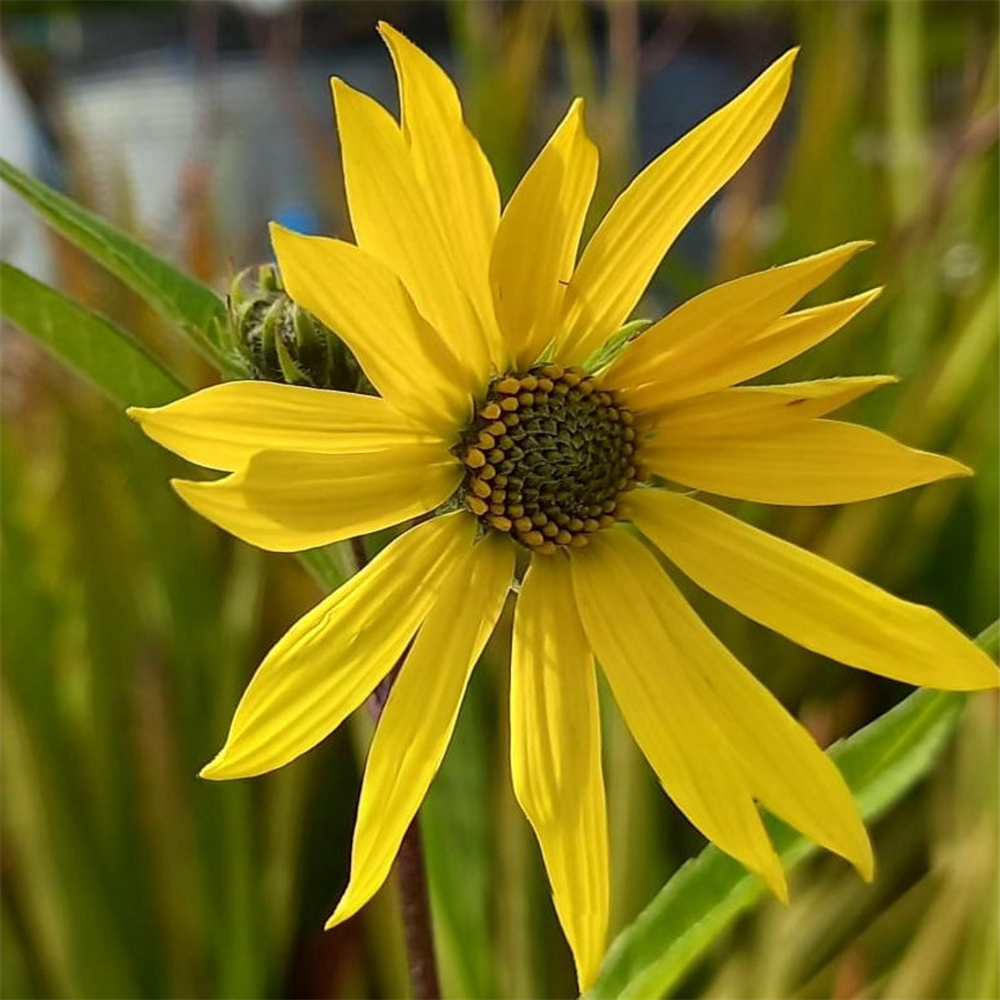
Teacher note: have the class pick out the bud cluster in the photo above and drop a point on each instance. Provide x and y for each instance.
(280, 342)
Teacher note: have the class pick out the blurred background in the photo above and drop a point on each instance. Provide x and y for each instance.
(131, 626)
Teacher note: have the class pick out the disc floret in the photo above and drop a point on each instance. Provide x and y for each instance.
(547, 457)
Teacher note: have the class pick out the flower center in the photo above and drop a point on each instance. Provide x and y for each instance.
(547, 457)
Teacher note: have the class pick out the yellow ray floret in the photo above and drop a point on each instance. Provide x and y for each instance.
(417, 722)
(224, 426)
(819, 462)
(536, 244)
(393, 221)
(617, 586)
(649, 215)
(332, 658)
(555, 754)
(371, 310)
(783, 767)
(289, 501)
(755, 410)
(787, 338)
(452, 171)
(809, 599)
(684, 354)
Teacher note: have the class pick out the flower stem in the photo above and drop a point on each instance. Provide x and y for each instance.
(411, 877)
(415, 906)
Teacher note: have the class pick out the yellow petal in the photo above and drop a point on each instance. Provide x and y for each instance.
(536, 243)
(616, 583)
(823, 462)
(419, 717)
(393, 220)
(645, 220)
(810, 600)
(289, 501)
(688, 352)
(332, 658)
(454, 174)
(364, 303)
(790, 336)
(556, 756)
(222, 426)
(784, 768)
(753, 410)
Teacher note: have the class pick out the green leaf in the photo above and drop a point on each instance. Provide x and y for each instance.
(92, 345)
(177, 296)
(116, 363)
(705, 896)
(457, 823)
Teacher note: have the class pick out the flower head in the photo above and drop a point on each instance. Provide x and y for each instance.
(504, 422)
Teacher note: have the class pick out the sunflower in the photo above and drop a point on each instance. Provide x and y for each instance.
(544, 448)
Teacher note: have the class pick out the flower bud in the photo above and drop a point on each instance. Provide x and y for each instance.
(280, 342)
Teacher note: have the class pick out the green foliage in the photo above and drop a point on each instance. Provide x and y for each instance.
(90, 344)
(181, 299)
(106, 355)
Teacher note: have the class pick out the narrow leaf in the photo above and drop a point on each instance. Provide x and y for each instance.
(113, 361)
(704, 897)
(103, 353)
(177, 296)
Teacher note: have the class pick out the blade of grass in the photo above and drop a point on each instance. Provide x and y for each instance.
(705, 896)
(906, 113)
(61, 887)
(242, 956)
(103, 353)
(458, 844)
(16, 979)
(177, 296)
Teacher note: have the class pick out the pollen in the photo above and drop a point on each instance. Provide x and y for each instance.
(547, 458)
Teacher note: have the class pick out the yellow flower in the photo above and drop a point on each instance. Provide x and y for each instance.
(480, 331)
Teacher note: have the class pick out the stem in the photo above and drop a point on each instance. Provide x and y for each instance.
(415, 907)
(411, 877)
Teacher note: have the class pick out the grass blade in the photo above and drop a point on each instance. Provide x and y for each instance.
(103, 353)
(178, 297)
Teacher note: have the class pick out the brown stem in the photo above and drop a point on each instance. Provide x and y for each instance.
(415, 906)
(414, 902)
